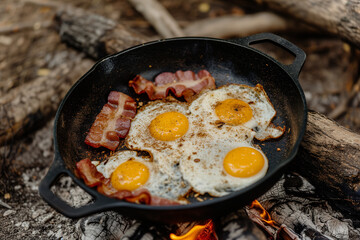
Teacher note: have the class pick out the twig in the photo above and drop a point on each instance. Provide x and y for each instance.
(343, 106)
(159, 17)
(229, 26)
(352, 85)
(44, 3)
(24, 26)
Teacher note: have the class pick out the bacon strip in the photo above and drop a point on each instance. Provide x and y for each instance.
(180, 83)
(89, 173)
(113, 122)
(92, 178)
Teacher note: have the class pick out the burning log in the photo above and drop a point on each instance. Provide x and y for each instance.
(236, 225)
(294, 204)
(293, 211)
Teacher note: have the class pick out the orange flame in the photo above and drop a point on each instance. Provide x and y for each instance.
(265, 216)
(198, 232)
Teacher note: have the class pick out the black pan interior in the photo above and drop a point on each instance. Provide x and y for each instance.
(227, 62)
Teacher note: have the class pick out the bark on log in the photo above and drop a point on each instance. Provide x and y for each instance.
(95, 35)
(112, 225)
(27, 106)
(329, 157)
(340, 18)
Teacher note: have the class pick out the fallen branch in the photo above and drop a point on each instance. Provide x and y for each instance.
(159, 17)
(24, 26)
(240, 26)
(340, 18)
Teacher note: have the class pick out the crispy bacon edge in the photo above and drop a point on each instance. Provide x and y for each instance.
(181, 83)
(92, 178)
(113, 122)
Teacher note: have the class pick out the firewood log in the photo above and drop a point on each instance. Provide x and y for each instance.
(95, 35)
(29, 105)
(340, 17)
(329, 157)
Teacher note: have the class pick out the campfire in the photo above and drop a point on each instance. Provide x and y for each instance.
(256, 213)
(290, 210)
(317, 197)
(198, 232)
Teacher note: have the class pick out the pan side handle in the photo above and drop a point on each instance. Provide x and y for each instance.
(57, 170)
(293, 69)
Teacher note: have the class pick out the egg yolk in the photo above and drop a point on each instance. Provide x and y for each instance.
(233, 111)
(243, 162)
(169, 126)
(129, 175)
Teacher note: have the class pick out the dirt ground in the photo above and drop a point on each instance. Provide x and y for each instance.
(30, 46)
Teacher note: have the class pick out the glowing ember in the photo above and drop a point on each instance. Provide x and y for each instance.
(198, 232)
(265, 216)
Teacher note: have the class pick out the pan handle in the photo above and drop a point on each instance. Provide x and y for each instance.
(57, 170)
(293, 69)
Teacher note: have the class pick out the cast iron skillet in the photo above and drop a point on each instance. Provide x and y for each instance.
(228, 62)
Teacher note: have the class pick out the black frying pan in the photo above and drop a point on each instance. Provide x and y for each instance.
(228, 62)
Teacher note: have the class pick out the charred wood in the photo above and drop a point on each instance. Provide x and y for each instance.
(106, 225)
(294, 204)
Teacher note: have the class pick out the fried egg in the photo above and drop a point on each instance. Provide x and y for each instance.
(128, 171)
(160, 128)
(233, 108)
(219, 167)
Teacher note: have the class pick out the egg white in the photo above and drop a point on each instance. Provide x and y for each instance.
(204, 171)
(158, 184)
(166, 153)
(263, 112)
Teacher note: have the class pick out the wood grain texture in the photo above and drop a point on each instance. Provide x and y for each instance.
(340, 17)
(93, 34)
(27, 106)
(329, 157)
